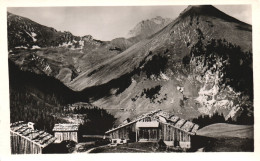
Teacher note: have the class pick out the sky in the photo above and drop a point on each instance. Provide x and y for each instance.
(107, 23)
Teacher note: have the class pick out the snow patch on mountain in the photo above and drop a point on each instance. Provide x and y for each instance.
(81, 43)
(65, 44)
(35, 47)
(164, 76)
(32, 35)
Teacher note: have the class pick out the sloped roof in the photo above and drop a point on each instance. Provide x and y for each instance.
(134, 120)
(66, 127)
(38, 137)
(171, 120)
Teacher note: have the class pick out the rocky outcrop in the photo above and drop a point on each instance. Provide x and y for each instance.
(149, 27)
(25, 33)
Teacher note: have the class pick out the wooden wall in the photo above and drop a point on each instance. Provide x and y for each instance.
(170, 133)
(20, 145)
(61, 136)
(127, 132)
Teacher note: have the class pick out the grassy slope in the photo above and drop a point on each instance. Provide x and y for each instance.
(223, 137)
(227, 130)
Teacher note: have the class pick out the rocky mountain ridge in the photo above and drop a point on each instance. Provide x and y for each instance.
(149, 27)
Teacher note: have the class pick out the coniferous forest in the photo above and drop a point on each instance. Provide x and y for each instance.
(41, 99)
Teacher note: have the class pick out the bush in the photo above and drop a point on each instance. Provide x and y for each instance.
(186, 60)
(151, 93)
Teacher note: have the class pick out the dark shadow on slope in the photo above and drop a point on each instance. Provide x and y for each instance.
(123, 82)
(221, 144)
(47, 88)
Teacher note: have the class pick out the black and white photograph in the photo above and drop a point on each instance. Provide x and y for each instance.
(130, 79)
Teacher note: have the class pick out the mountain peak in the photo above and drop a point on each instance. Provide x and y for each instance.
(200, 9)
(207, 10)
(148, 27)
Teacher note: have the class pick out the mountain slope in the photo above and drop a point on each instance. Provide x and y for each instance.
(44, 50)
(157, 73)
(24, 33)
(191, 67)
(177, 37)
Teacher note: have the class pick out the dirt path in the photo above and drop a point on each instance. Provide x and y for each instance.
(134, 149)
(90, 150)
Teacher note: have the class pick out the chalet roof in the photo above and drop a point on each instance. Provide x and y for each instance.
(66, 127)
(38, 137)
(165, 118)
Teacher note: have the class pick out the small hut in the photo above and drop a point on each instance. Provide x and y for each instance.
(66, 132)
(154, 126)
(27, 140)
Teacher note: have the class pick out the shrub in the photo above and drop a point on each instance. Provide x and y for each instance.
(151, 93)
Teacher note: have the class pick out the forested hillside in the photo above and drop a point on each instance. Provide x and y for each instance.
(42, 100)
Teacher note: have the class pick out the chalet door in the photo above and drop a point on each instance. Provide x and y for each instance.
(176, 137)
(132, 136)
(153, 134)
(146, 134)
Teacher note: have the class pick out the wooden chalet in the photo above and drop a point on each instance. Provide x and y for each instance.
(27, 140)
(154, 126)
(66, 132)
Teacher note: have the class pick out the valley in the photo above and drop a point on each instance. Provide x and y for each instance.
(195, 66)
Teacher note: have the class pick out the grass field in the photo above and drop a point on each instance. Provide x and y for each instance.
(223, 137)
(227, 130)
